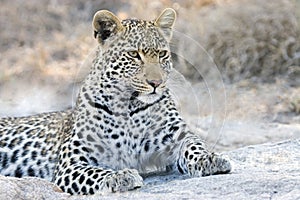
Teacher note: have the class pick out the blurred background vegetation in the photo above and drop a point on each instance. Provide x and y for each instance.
(254, 43)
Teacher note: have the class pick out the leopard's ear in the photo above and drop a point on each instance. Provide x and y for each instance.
(106, 25)
(166, 21)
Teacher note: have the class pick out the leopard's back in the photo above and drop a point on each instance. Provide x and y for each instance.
(29, 145)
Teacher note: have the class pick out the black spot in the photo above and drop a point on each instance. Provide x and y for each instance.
(83, 159)
(75, 187)
(172, 118)
(39, 162)
(59, 181)
(95, 176)
(114, 136)
(91, 191)
(116, 67)
(18, 172)
(81, 179)
(186, 154)
(14, 156)
(68, 171)
(104, 173)
(191, 157)
(25, 161)
(193, 148)
(199, 144)
(30, 172)
(118, 145)
(27, 144)
(88, 128)
(89, 182)
(24, 153)
(76, 143)
(42, 175)
(114, 73)
(109, 130)
(146, 147)
(67, 181)
(69, 191)
(90, 172)
(83, 190)
(63, 188)
(75, 175)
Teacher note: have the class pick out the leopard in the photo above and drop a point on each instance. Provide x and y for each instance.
(125, 123)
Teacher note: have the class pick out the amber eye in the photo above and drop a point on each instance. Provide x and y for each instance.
(134, 54)
(162, 54)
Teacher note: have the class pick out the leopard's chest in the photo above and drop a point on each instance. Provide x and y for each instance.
(124, 141)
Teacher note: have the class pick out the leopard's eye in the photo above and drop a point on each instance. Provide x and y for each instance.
(134, 54)
(162, 54)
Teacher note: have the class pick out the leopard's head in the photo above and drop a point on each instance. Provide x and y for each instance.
(136, 52)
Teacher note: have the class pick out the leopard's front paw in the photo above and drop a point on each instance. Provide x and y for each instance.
(124, 180)
(208, 164)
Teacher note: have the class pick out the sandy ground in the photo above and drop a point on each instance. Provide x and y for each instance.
(268, 171)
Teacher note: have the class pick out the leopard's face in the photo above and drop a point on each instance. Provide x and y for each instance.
(138, 55)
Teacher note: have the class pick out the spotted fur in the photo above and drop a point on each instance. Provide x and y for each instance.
(125, 122)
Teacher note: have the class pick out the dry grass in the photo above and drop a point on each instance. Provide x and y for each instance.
(43, 43)
(247, 39)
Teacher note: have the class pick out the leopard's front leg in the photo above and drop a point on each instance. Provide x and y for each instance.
(196, 160)
(84, 179)
(75, 174)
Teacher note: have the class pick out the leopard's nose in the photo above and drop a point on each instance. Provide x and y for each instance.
(154, 83)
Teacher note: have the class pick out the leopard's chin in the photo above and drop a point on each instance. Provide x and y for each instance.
(149, 98)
